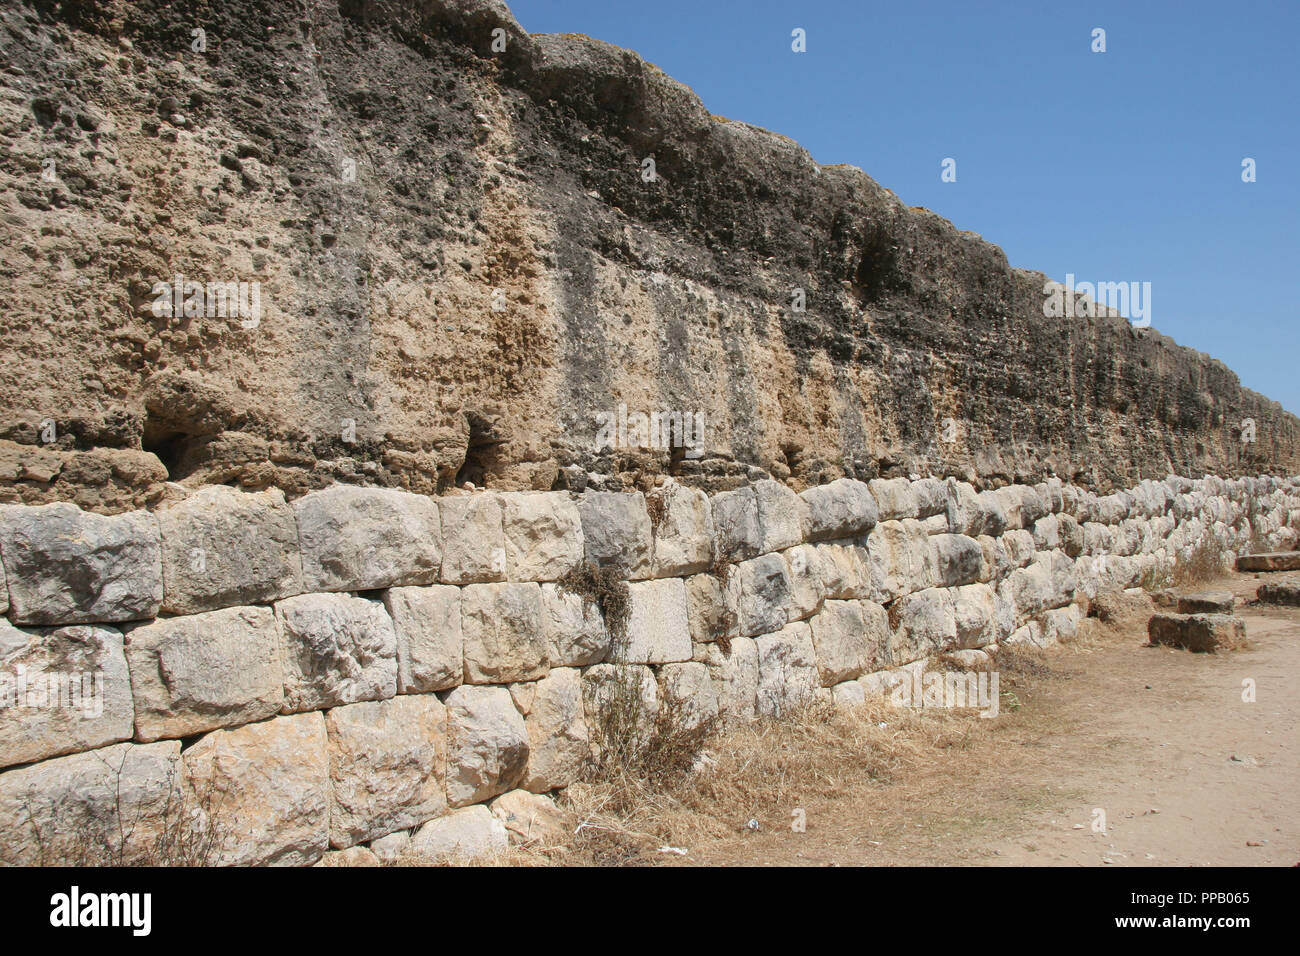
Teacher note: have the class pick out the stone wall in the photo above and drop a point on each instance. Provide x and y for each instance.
(365, 666)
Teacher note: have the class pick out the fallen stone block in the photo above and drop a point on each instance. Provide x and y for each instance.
(1275, 561)
(67, 566)
(62, 691)
(360, 539)
(1283, 592)
(203, 671)
(1206, 602)
(531, 818)
(1205, 633)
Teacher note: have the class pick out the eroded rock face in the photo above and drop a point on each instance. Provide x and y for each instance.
(505, 226)
(487, 744)
(336, 649)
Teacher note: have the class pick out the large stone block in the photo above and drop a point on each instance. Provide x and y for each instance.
(617, 532)
(657, 631)
(61, 691)
(780, 516)
(67, 566)
(712, 609)
(737, 535)
(1280, 592)
(975, 612)
(906, 561)
(471, 835)
(1206, 602)
(803, 564)
(787, 670)
(504, 637)
(487, 744)
(226, 548)
(687, 694)
(337, 649)
(543, 532)
(931, 498)
(558, 741)
(107, 807)
(264, 789)
(1275, 561)
(847, 569)
(574, 628)
(430, 646)
(839, 635)
(473, 542)
(764, 594)
(683, 538)
(360, 539)
(733, 668)
(531, 818)
(203, 671)
(387, 766)
(956, 559)
(894, 498)
(843, 508)
(1205, 633)
(922, 623)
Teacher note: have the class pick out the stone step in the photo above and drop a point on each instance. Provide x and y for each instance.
(1206, 602)
(1280, 592)
(1205, 633)
(1273, 561)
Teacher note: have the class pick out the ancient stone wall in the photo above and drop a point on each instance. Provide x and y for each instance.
(369, 667)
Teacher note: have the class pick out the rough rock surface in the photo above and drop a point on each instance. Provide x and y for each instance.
(429, 217)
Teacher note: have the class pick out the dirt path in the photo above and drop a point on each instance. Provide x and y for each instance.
(1186, 772)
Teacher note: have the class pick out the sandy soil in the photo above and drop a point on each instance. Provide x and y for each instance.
(1160, 740)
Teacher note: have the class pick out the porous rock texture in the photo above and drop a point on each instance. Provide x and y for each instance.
(462, 266)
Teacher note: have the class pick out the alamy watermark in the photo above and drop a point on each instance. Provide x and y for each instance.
(659, 430)
(951, 690)
(53, 690)
(1079, 299)
(191, 299)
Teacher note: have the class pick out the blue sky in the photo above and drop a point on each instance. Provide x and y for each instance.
(1118, 166)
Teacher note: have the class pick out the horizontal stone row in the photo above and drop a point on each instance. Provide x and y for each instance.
(222, 548)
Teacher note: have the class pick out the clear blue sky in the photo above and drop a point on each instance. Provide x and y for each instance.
(1116, 166)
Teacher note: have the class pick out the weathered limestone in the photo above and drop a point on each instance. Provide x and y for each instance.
(487, 744)
(616, 531)
(353, 856)
(922, 623)
(387, 766)
(780, 516)
(846, 570)
(337, 649)
(61, 691)
(1206, 602)
(734, 672)
(841, 643)
(1274, 561)
(104, 807)
(931, 499)
(843, 508)
(687, 694)
(1280, 592)
(67, 566)
(204, 671)
(627, 691)
(657, 630)
(558, 741)
(1205, 633)
(956, 559)
(574, 628)
(543, 535)
(975, 613)
(264, 789)
(530, 818)
(803, 564)
(683, 539)
(787, 670)
(225, 548)
(430, 646)
(471, 835)
(764, 595)
(359, 539)
(501, 625)
(894, 497)
(473, 542)
(737, 535)
(712, 610)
